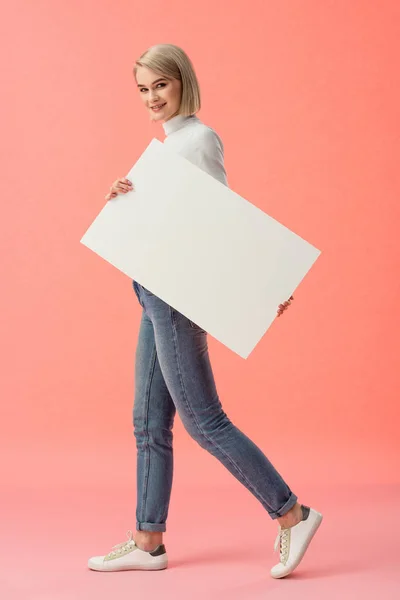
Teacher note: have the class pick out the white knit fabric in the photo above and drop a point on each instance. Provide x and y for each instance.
(199, 143)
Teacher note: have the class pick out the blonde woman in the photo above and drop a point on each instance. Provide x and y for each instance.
(173, 370)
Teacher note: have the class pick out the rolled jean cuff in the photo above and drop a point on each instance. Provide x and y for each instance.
(285, 508)
(150, 526)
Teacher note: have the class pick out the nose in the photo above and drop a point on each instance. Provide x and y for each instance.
(153, 96)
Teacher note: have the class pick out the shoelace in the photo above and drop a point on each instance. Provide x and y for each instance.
(282, 541)
(119, 548)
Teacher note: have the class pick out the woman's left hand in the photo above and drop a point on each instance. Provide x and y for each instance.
(284, 306)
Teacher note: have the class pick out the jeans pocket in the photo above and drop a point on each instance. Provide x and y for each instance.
(137, 292)
(147, 291)
(193, 325)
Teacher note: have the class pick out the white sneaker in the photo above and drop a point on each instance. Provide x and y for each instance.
(127, 556)
(293, 543)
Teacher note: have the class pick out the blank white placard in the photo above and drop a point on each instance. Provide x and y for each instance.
(199, 246)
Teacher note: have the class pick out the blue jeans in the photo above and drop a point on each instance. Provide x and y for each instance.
(173, 372)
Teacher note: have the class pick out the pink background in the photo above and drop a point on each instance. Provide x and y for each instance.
(305, 96)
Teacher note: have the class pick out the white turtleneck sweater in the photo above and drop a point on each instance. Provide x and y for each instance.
(199, 143)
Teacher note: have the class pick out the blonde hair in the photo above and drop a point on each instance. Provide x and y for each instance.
(171, 61)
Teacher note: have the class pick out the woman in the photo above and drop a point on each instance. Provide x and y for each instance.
(172, 369)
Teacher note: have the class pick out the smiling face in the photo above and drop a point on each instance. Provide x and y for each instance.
(156, 90)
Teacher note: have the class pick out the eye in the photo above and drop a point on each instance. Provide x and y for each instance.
(162, 85)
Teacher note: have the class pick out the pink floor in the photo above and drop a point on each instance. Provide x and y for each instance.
(217, 547)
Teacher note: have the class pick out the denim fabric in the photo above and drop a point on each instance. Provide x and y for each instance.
(173, 373)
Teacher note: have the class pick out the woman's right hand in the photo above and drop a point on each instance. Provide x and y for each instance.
(119, 186)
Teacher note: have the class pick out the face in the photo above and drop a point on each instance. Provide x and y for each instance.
(155, 89)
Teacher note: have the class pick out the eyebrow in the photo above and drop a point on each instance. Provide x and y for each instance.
(160, 79)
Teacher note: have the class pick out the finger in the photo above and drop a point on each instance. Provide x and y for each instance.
(127, 183)
(124, 187)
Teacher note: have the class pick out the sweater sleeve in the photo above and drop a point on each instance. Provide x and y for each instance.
(208, 155)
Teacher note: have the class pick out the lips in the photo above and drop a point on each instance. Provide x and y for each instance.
(158, 106)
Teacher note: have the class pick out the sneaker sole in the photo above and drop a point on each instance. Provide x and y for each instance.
(150, 567)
